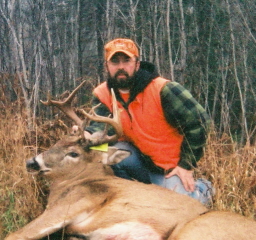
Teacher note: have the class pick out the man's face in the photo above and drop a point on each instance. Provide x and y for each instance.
(121, 70)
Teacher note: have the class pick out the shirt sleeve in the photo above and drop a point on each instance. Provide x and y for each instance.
(183, 112)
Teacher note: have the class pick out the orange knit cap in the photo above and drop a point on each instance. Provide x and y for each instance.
(123, 45)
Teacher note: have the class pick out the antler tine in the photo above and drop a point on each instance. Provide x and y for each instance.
(116, 115)
(114, 122)
(65, 106)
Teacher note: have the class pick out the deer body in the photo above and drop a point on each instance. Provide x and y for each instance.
(87, 200)
(218, 225)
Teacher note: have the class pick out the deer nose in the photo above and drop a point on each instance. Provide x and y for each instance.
(32, 164)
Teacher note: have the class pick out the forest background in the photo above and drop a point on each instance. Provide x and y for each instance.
(52, 45)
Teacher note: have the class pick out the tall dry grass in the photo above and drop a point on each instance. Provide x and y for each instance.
(22, 197)
(230, 168)
(19, 195)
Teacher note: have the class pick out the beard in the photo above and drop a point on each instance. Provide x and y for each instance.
(121, 83)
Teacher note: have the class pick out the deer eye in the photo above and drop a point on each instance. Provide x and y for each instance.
(72, 154)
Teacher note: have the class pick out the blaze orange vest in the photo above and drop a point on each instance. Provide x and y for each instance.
(146, 127)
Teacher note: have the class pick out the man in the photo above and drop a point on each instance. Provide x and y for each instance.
(165, 128)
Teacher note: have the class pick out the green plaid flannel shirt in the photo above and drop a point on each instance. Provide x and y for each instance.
(183, 112)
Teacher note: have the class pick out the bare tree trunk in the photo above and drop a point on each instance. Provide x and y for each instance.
(110, 18)
(38, 61)
(183, 41)
(245, 91)
(133, 12)
(79, 37)
(244, 127)
(155, 36)
(205, 80)
(224, 108)
(51, 56)
(100, 43)
(169, 42)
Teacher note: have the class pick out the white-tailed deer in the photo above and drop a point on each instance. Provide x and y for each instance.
(88, 202)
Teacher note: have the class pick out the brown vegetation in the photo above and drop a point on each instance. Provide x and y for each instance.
(232, 169)
(21, 197)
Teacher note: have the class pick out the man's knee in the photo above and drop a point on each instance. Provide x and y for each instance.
(131, 167)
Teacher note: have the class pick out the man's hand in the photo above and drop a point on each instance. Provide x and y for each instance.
(186, 177)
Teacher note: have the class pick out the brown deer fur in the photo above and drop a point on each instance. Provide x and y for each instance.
(89, 202)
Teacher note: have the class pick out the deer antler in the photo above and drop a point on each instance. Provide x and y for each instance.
(65, 106)
(114, 122)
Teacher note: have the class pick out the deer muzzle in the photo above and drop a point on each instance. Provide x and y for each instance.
(36, 165)
(32, 165)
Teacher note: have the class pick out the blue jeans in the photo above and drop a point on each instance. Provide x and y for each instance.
(136, 167)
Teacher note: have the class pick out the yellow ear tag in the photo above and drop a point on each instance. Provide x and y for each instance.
(103, 147)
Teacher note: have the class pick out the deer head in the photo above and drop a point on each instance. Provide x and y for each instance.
(73, 154)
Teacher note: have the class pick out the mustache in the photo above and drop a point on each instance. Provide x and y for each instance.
(121, 72)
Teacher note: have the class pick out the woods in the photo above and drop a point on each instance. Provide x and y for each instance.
(208, 46)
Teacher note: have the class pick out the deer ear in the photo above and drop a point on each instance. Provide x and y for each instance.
(114, 155)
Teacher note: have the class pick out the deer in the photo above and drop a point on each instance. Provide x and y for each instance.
(86, 200)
